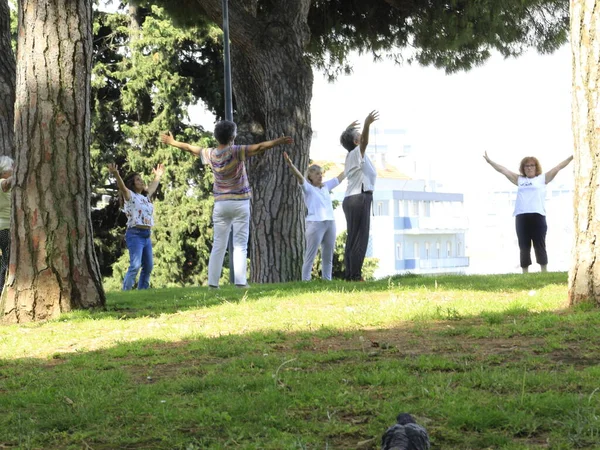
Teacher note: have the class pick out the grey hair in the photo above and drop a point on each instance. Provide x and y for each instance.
(348, 137)
(311, 169)
(6, 163)
(225, 131)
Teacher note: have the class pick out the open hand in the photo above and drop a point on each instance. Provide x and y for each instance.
(113, 168)
(159, 170)
(486, 157)
(287, 158)
(372, 117)
(167, 138)
(285, 140)
(353, 125)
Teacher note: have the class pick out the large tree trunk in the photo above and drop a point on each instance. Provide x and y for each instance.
(584, 277)
(7, 82)
(272, 81)
(53, 266)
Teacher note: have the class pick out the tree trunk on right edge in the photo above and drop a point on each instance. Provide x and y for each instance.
(584, 276)
(7, 83)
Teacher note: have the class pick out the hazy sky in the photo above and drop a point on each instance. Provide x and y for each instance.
(509, 107)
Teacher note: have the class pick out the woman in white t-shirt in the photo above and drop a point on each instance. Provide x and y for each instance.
(320, 225)
(530, 206)
(136, 201)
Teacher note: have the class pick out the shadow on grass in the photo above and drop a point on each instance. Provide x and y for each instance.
(154, 302)
(474, 383)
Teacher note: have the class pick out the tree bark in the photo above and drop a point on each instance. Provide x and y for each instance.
(53, 266)
(272, 81)
(584, 276)
(7, 83)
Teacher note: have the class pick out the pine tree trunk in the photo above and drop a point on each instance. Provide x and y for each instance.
(272, 82)
(7, 82)
(584, 276)
(53, 266)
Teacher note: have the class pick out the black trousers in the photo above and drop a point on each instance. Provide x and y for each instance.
(357, 209)
(4, 259)
(532, 227)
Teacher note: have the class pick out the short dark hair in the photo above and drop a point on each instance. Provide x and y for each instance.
(225, 131)
(348, 137)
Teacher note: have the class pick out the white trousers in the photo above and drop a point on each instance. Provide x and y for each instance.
(319, 234)
(228, 213)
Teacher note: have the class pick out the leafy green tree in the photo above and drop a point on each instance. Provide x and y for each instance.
(276, 43)
(147, 73)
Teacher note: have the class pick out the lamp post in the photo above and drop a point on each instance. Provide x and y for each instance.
(228, 109)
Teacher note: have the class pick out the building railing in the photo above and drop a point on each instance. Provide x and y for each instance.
(431, 223)
(438, 263)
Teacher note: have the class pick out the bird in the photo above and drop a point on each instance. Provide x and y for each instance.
(405, 434)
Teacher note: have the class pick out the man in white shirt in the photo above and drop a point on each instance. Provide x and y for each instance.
(357, 202)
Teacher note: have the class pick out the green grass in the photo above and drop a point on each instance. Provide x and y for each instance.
(483, 362)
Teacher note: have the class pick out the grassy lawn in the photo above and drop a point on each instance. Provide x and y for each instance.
(483, 362)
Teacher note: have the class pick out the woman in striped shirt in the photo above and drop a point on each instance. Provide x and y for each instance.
(232, 195)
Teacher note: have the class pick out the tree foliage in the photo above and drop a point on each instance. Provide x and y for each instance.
(147, 73)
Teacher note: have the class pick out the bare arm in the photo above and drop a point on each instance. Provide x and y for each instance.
(295, 170)
(512, 176)
(167, 138)
(364, 137)
(256, 149)
(158, 172)
(114, 171)
(553, 172)
(6, 184)
(342, 176)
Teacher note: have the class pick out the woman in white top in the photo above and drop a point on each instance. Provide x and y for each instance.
(6, 182)
(530, 209)
(136, 201)
(320, 225)
(357, 202)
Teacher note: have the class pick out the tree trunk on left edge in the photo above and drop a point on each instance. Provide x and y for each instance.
(53, 266)
(7, 83)
(584, 276)
(272, 81)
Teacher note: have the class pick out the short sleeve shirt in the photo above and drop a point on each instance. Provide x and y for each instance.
(229, 170)
(139, 211)
(318, 200)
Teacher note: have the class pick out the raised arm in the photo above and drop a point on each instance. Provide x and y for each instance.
(114, 171)
(512, 176)
(158, 172)
(364, 137)
(295, 170)
(167, 138)
(255, 149)
(553, 172)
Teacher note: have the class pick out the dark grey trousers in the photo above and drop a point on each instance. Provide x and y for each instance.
(532, 227)
(357, 209)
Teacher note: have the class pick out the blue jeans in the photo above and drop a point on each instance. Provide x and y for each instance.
(139, 245)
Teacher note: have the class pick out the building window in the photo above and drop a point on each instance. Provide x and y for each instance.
(437, 250)
(415, 211)
(399, 251)
(449, 249)
(458, 248)
(426, 250)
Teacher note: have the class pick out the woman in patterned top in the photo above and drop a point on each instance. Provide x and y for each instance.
(232, 195)
(136, 201)
(6, 182)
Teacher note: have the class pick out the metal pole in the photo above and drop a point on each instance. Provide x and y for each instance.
(228, 109)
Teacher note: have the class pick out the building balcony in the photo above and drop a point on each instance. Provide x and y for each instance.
(428, 264)
(420, 225)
